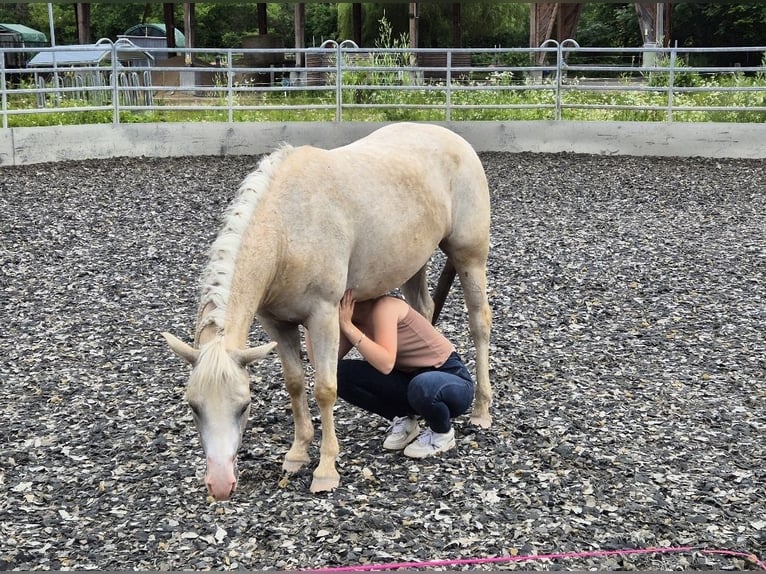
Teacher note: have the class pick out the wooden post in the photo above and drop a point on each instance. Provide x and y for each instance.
(414, 17)
(542, 19)
(190, 22)
(300, 28)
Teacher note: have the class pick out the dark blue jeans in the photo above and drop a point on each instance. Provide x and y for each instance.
(437, 395)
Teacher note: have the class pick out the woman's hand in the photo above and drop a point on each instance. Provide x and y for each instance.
(346, 311)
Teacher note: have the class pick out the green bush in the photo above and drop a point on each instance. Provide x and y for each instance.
(682, 77)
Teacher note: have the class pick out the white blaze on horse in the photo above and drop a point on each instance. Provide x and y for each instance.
(306, 225)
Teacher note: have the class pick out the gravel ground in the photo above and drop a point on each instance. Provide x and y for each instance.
(628, 362)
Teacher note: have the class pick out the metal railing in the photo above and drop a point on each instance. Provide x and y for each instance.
(339, 82)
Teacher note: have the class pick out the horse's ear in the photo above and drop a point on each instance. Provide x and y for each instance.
(246, 356)
(186, 352)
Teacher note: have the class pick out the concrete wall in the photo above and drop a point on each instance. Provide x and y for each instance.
(19, 146)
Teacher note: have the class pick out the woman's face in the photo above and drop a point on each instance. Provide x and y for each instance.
(362, 309)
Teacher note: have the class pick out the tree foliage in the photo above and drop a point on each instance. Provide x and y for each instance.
(223, 25)
(321, 23)
(484, 24)
(613, 25)
(396, 14)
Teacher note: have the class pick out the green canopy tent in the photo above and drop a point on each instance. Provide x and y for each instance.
(29, 36)
(154, 35)
(20, 36)
(155, 30)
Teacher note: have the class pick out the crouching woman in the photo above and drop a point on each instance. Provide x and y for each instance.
(408, 371)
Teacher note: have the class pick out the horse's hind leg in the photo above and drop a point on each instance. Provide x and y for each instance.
(415, 291)
(446, 278)
(471, 266)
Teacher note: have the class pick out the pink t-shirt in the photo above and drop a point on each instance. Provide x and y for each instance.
(419, 345)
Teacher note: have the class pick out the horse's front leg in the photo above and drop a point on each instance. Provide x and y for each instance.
(324, 334)
(289, 350)
(295, 382)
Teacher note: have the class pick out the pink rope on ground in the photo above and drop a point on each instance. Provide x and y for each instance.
(537, 557)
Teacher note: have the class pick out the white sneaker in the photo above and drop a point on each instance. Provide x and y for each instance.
(430, 443)
(401, 432)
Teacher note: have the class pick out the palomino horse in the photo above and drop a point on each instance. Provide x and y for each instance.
(306, 225)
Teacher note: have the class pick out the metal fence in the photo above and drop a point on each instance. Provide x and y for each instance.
(341, 82)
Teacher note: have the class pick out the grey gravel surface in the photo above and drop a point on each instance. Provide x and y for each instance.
(628, 360)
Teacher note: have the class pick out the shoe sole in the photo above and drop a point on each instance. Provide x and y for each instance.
(410, 437)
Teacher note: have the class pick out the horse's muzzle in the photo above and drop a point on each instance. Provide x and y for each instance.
(221, 478)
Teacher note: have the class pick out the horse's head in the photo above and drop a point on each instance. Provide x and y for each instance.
(218, 393)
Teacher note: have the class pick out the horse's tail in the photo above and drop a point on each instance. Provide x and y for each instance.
(446, 278)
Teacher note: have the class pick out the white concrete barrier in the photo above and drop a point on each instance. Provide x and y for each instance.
(19, 146)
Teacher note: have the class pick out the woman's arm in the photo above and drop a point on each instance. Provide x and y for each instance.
(379, 343)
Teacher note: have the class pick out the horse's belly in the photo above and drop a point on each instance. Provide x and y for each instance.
(370, 275)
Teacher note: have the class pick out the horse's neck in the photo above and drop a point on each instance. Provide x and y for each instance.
(207, 327)
(234, 330)
(242, 260)
(231, 314)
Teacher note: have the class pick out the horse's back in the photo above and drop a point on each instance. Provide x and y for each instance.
(376, 209)
(401, 178)
(413, 141)
(448, 169)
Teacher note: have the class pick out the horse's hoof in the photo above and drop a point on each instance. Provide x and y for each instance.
(481, 420)
(293, 466)
(325, 484)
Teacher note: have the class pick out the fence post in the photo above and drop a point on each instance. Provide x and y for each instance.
(560, 70)
(115, 87)
(230, 84)
(3, 87)
(671, 82)
(448, 110)
(548, 42)
(339, 82)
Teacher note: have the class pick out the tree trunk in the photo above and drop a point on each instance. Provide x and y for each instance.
(82, 15)
(457, 26)
(170, 28)
(263, 23)
(356, 18)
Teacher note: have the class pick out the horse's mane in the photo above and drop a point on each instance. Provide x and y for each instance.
(222, 256)
(216, 366)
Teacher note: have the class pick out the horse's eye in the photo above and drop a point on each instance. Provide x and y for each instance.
(243, 410)
(195, 409)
